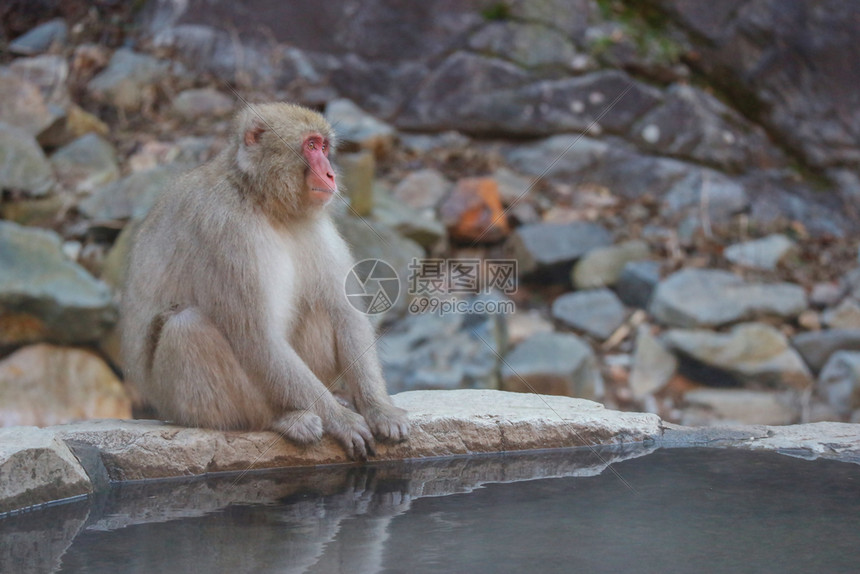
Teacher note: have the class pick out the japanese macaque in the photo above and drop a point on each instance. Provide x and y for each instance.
(234, 314)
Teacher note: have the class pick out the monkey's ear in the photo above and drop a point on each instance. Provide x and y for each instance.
(252, 135)
(251, 128)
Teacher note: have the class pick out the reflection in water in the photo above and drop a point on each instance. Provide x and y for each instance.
(688, 510)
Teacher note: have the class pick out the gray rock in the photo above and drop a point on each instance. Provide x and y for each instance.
(545, 107)
(448, 97)
(209, 50)
(527, 44)
(706, 190)
(653, 364)
(553, 363)
(826, 440)
(49, 73)
(23, 165)
(694, 125)
(710, 298)
(851, 283)
(727, 406)
(597, 312)
(632, 175)
(637, 282)
(86, 163)
(765, 253)
(45, 296)
(570, 16)
(131, 196)
(425, 143)
(513, 188)
(129, 80)
(419, 226)
(780, 196)
(202, 103)
(553, 247)
(442, 351)
(826, 294)
(560, 157)
(839, 381)
(357, 126)
(752, 352)
(40, 38)
(22, 104)
(422, 189)
(602, 267)
(36, 467)
(816, 347)
(845, 316)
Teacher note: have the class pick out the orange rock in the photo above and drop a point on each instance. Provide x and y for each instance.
(46, 385)
(18, 328)
(473, 211)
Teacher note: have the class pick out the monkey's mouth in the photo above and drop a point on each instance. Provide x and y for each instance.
(322, 189)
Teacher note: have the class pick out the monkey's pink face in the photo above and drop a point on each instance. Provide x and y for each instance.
(319, 177)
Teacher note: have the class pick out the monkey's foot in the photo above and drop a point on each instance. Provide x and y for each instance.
(387, 422)
(351, 430)
(300, 426)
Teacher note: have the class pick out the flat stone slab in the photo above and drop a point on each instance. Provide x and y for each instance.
(828, 440)
(444, 423)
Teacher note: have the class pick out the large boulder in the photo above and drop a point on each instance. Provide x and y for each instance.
(44, 296)
(597, 312)
(694, 125)
(554, 247)
(711, 297)
(36, 467)
(46, 385)
(751, 352)
(789, 63)
(553, 363)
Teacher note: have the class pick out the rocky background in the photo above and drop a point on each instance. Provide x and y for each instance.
(678, 181)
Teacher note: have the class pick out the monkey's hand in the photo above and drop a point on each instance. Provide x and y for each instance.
(351, 430)
(387, 422)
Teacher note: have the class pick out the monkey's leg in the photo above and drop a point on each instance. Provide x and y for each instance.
(201, 383)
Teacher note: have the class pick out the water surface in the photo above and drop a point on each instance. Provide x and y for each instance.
(684, 510)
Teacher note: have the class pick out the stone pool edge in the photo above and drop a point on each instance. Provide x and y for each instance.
(43, 465)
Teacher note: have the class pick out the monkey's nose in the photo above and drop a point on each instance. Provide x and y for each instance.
(329, 175)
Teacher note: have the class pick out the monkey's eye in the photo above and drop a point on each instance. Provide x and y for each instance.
(312, 145)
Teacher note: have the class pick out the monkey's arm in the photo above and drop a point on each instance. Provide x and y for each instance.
(359, 363)
(292, 386)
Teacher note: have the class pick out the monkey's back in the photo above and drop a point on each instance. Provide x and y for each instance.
(177, 252)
